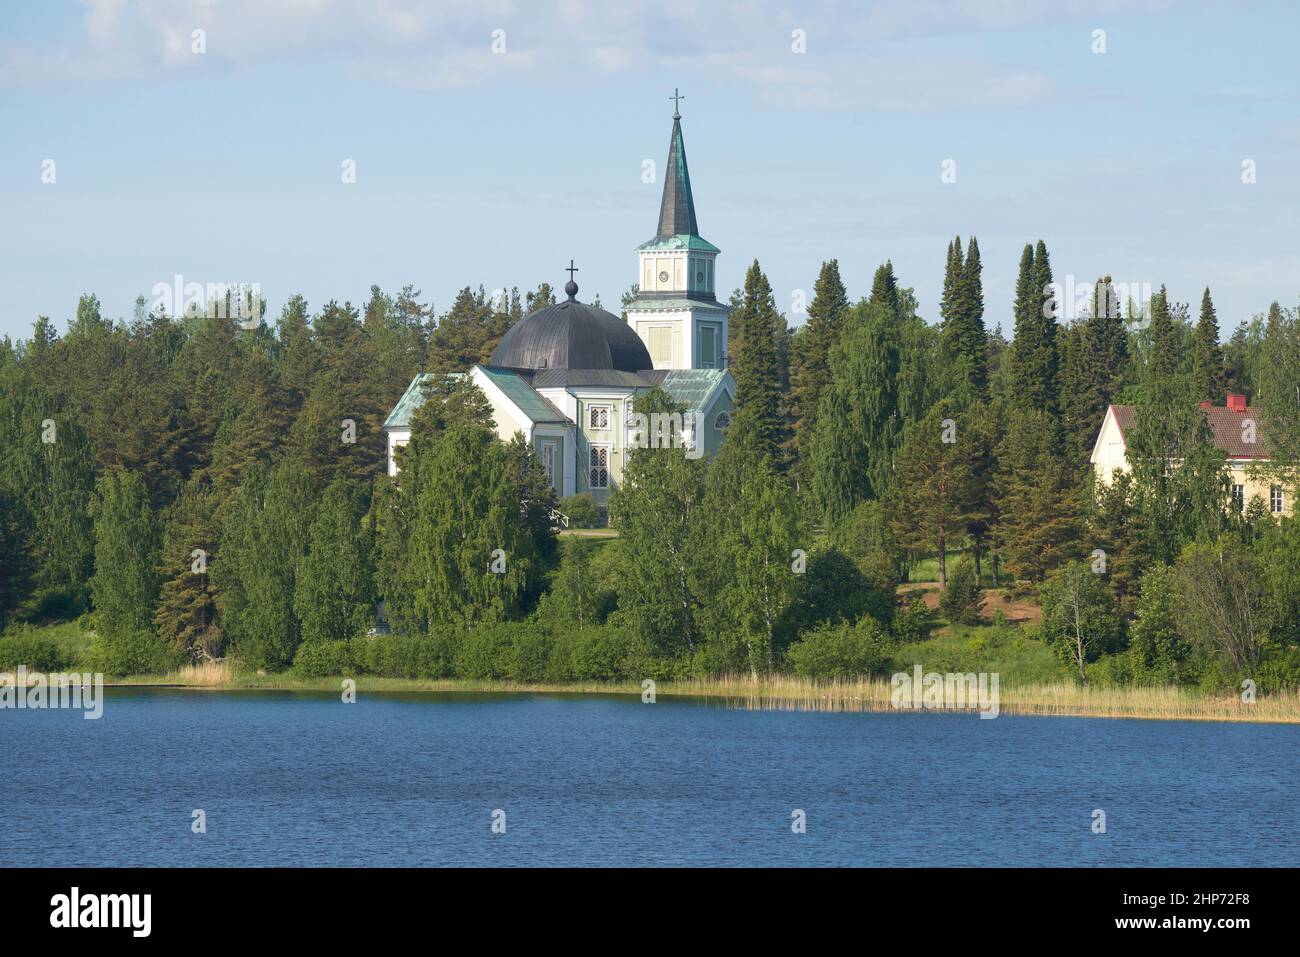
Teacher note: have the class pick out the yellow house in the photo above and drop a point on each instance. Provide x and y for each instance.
(1236, 431)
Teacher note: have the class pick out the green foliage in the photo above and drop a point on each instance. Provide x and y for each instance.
(1033, 358)
(186, 616)
(962, 601)
(913, 621)
(333, 584)
(744, 545)
(936, 494)
(36, 652)
(757, 329)
(858, 427)
(655, 510)
(127, 557)
(810, 354)
(581, 510)
(1036, 526)
(264, 538)
(841, 651)
(324, 658)
(1079, 618)
(576, 597)
(1158, 653)
(833, 589)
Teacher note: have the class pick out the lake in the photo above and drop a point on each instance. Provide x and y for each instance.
(293, 778)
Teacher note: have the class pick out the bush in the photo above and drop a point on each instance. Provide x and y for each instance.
(33, 651)
(962, 601)
(912, 623)
(581, 510)
(426, 657)
(840, 651)
(833, 589)
(323, 659)
(137, 652)
(607, 653)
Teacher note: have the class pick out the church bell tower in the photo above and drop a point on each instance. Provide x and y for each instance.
(676, 312)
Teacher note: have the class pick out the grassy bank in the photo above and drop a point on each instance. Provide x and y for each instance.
(1032, 681)
(786, 693)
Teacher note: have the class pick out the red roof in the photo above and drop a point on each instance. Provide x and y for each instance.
(1226, 424)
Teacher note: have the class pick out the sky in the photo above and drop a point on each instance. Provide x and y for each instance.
(494, 141)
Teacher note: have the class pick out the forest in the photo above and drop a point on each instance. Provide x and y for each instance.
(185, 489)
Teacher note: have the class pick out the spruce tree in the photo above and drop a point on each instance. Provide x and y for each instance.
(1207, 357)
(756, 363)
(1034, 358)
(810, 356)
(1036, 529)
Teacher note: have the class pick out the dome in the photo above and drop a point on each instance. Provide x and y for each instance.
(572, 335)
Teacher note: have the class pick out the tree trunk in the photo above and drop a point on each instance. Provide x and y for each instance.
(943, 561)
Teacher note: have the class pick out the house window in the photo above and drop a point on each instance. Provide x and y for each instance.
(1275, 498)
(722, 421)
(1239, 497)
(598, 417)
(599, 474)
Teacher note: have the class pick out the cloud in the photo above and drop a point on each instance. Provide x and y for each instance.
(854, 60)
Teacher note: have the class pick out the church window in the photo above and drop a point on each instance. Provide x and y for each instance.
(1239, 497)
(661, 345)
(599, 475)
(722, 421)
(548, 461)
(598, 417)
(1275, 501)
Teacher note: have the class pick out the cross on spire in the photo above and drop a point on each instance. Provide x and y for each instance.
(677, 115)
(572, 269)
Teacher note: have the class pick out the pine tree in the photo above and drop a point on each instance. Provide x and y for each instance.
(1207, 359)
(186, 618)
(756, 366)
(934, 495)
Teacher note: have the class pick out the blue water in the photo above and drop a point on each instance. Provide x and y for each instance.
(413, 779)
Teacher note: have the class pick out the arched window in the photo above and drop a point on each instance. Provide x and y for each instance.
(722, 421)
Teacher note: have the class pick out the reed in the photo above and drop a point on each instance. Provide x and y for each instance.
(789, 693)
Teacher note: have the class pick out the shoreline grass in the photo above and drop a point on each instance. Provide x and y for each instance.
(787, 693)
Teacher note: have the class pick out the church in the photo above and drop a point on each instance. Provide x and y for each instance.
(565, 375)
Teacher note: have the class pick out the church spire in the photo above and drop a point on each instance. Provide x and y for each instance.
(677, 211)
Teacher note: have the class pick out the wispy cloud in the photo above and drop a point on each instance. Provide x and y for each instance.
(849, 63)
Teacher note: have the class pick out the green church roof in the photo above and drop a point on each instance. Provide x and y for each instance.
(530, 403)
(412, 399)
(691, 387)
